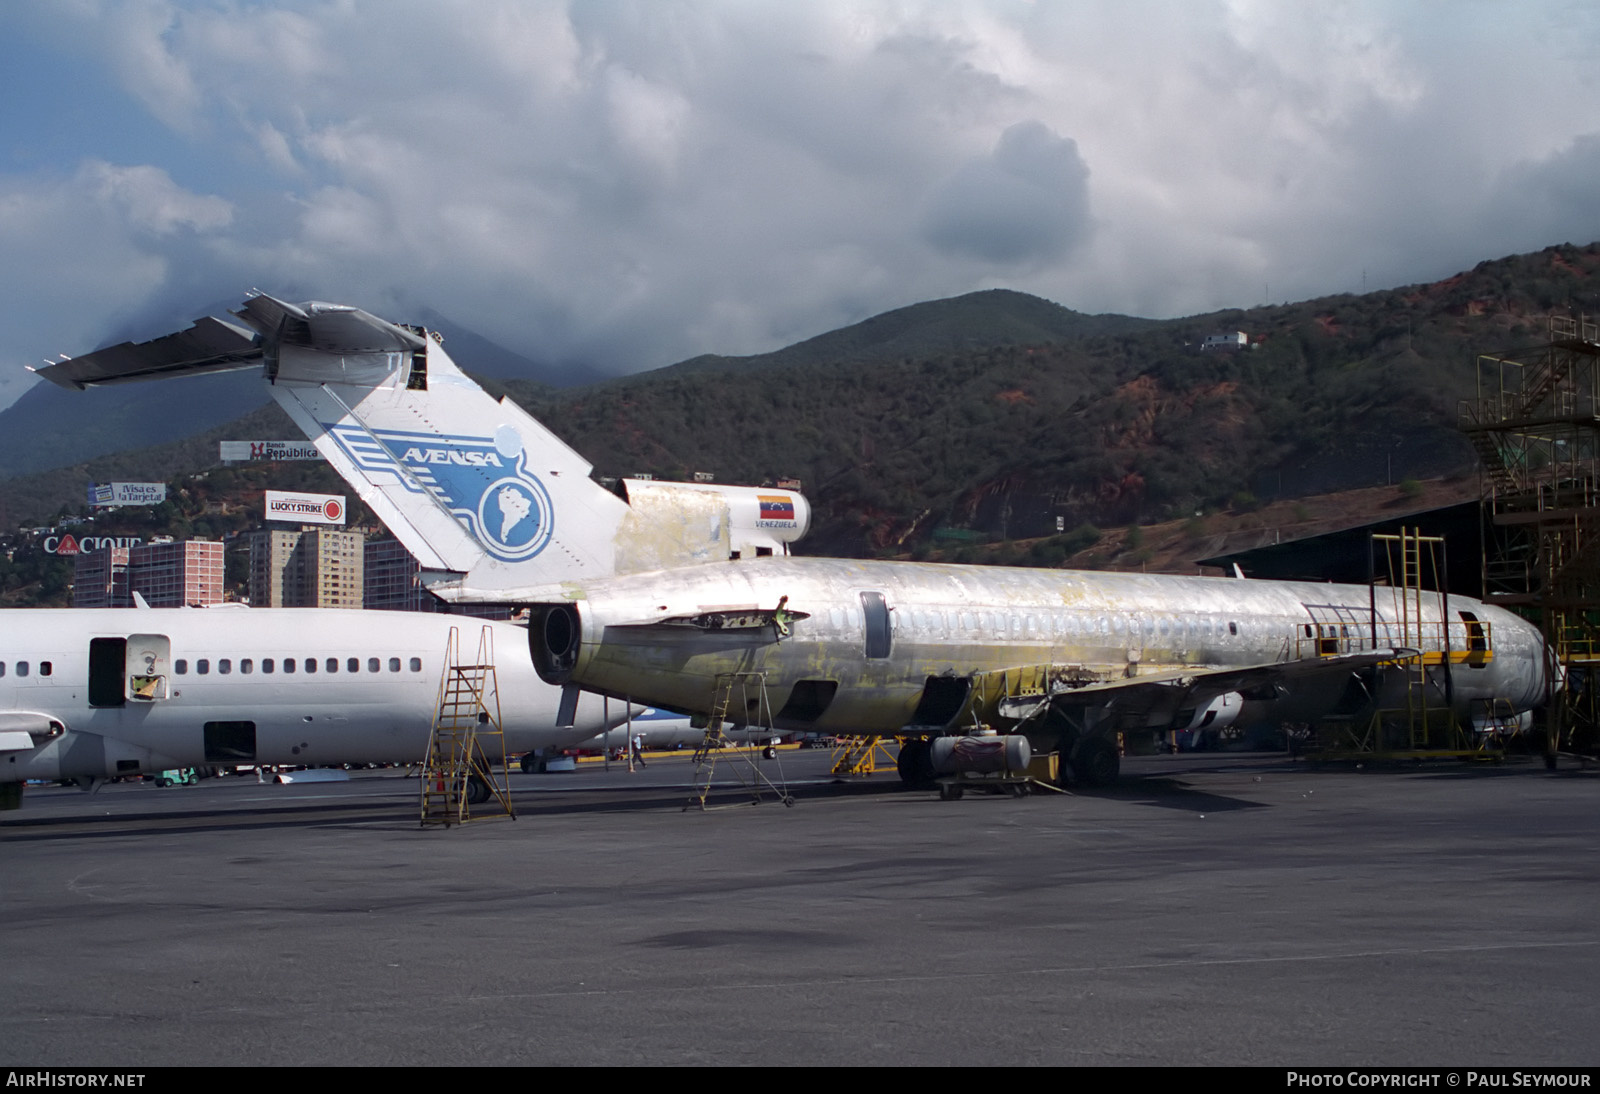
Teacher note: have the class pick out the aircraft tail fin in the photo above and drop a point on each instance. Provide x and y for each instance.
(492, 504)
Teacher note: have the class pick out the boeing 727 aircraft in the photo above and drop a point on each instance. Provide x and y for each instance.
(95, 693)
(685, 597)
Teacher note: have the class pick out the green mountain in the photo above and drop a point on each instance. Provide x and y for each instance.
(1000, 415)
(963, 324)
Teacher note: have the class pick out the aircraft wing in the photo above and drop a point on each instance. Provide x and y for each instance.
(1158, 696)
(210, 345)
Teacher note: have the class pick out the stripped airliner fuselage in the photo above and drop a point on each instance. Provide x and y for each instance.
(911, 647)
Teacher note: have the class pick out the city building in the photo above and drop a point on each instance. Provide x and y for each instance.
(393, 583)
(167, 574)
(311, 568)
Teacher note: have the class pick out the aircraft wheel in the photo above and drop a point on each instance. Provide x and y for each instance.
(478, 790)
(1096, 761)
(527, 763)
(949, 792)
(915, 764)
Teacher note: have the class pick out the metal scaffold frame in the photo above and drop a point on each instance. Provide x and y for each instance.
(457, 771)
(750, 689)
(1410, 582)
(1535, 424)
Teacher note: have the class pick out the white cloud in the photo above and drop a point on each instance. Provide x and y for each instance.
(633, 183)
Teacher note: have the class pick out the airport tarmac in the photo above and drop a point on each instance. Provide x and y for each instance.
(1208, 910)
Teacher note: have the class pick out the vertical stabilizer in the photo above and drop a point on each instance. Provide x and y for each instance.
(471, 485)
(492, 504)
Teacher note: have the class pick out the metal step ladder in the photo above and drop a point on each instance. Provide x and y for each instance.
(458, 779)
(750, 691)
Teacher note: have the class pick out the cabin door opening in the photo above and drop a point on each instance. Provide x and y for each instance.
(149, 667)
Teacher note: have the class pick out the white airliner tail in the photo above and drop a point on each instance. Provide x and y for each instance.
(493, 505)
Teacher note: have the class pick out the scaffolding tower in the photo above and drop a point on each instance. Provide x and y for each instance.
(1409, 609)
(1535, 424)
(466, 740)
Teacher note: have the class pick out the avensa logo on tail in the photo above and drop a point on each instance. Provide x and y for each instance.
(483, 481)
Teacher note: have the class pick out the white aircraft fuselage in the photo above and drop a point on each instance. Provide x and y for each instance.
(227, 686)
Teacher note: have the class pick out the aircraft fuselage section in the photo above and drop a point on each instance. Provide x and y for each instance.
(874, 633)
(234, 685)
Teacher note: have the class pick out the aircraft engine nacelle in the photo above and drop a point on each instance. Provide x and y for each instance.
(554, 634)
(984, 755)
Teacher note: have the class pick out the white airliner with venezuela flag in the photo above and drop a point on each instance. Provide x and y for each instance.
(665, 593)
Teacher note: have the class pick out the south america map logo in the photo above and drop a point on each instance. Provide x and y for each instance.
(483, 481)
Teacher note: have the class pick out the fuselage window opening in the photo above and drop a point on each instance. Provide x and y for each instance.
(202, 666)
(1233, 628)
(22, 668)
(2, 668)
(373, 665)
(416, 664)
(311, 664)
(332, 664)
(224, 666)
(268, 665)
(394, 664)
(246, 665)
(288, 664)
(45, 668)
(352, 664)
(181, 667)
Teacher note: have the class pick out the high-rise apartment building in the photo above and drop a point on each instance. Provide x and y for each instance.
(312, 568)
(168, 575)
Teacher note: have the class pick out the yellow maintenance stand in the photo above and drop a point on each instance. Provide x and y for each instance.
(747, 693)
(458, 779)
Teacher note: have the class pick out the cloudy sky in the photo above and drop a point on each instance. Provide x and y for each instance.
(626, 184)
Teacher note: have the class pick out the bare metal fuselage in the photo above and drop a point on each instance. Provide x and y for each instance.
(626, 637)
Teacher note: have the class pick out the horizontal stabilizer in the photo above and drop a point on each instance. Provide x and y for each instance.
(210, 345)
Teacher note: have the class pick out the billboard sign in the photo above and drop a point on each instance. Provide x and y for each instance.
(305, 508)
(106, 494)
(243, 451)
(69, 544)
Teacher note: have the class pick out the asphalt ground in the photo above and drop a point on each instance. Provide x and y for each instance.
(1233, 910)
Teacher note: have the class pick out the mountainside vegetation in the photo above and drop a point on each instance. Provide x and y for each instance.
(996, 416)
